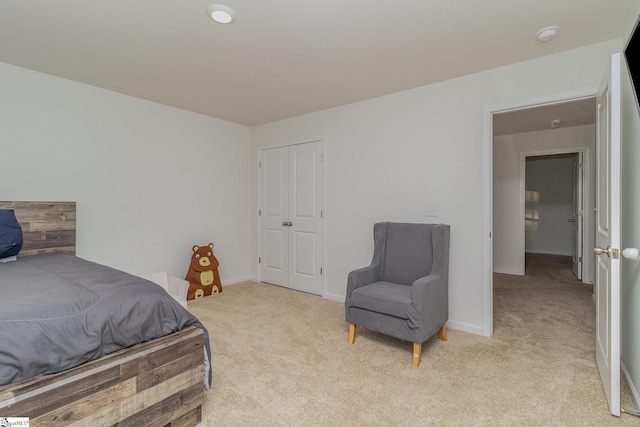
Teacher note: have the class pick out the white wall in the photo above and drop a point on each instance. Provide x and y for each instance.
(150, 181)
(549, 181)
(508, 235)
(389, 156)
(630, 227)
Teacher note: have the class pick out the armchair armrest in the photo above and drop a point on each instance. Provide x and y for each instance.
(430, 296)
(427, 287)
(361, 277)
(178, 286)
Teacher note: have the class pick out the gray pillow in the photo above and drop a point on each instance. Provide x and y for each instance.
(10, 234)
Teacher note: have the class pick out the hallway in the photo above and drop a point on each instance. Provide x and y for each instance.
(547, 306)
(549, 311)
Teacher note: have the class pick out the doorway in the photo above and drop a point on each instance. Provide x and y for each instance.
(554, 196)
(536, 135)
(512, 214)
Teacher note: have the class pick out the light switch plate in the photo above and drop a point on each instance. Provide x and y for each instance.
(432, 210)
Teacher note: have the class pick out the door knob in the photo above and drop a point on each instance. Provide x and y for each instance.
(611, 252)
(285, 223)
(571, 220)
(289, 223)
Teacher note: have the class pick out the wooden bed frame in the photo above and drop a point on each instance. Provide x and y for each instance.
(157, 383)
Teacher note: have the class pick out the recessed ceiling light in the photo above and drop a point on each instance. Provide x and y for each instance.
(221, 14)
(547, 33)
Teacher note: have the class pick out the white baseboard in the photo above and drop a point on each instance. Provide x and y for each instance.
(632, 386)
(235, 280)
(509, 271)
(334, 297)
(543, 252)
(465, 327)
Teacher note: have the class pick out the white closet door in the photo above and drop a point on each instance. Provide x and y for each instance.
(305, 215)
(274, 263)
(292, 225)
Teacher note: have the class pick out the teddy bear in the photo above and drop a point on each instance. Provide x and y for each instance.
(203, 276)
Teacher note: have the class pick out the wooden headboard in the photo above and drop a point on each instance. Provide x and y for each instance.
(46, 226)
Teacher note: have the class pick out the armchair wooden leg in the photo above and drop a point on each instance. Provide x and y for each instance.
(417, 353)
(442, 333)
(417, 348)
(352, 333)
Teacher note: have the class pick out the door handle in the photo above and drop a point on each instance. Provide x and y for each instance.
(611, 253)
(571, 220)
(287, 223)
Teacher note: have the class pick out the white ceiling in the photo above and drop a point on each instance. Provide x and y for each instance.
(574, 113)
(283, 58)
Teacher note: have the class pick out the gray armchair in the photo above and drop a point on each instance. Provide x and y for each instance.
(404, 293)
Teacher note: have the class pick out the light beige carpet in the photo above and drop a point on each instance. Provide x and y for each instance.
(281, 357)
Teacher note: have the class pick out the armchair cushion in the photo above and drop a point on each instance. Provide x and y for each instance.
(384, 297)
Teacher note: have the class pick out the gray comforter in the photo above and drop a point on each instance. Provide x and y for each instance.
(58, 311)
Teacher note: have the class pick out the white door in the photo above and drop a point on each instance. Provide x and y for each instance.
(576, 219)
(607, 283)
(292, 224)
(274, 212)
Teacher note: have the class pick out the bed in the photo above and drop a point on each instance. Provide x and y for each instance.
(85, 344)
